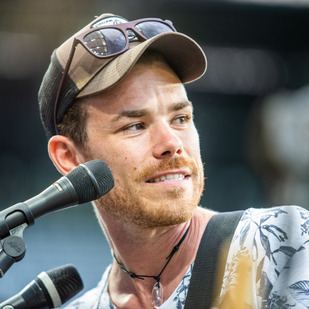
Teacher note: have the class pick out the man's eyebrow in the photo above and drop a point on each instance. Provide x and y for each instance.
(131, 114)
(178, 106)
(143, 112)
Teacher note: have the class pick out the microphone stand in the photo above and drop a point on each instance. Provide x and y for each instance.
(13, 222)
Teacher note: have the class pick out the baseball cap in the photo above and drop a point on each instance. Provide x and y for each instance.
(90, 75)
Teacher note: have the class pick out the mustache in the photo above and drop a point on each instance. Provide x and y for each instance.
(167, 164)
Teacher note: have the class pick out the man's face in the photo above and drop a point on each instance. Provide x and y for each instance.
(143, 129)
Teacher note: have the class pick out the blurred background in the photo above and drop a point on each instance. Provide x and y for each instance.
(251, 109)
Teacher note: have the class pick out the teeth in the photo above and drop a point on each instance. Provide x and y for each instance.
(169, 177)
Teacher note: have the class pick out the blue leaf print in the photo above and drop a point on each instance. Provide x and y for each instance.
(265, 218)
(303, 214)
(244, 233)
(305, 228)
(265, 243)
(300, 292)
(272, 213)
(179, 305)
(276, 301)
(289, 251)
(273, 228)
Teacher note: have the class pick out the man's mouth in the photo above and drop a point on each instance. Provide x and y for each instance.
(168, 177)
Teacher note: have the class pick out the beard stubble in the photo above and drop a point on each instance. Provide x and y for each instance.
(147, 209)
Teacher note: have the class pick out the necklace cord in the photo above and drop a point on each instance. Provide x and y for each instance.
(157, 278)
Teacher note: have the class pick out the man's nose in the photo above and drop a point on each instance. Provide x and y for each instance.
(166, 142)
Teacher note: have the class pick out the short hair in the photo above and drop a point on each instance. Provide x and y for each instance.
(73, 124)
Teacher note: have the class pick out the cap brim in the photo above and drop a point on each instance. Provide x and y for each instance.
(182, 53)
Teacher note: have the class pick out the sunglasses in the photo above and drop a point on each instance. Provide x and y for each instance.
(112, 40)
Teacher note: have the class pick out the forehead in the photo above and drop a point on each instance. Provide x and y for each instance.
(144, 87)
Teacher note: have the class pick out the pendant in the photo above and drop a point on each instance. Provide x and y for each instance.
(157, 295)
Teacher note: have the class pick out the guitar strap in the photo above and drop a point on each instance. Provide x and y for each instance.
(208, 270)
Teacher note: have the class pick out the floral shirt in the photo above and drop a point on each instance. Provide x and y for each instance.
(276, 240)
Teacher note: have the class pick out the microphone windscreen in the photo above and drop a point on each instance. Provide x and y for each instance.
(91, 180)
(67, 281)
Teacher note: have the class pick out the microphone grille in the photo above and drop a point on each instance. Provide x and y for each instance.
(91, 180)
(67, 281)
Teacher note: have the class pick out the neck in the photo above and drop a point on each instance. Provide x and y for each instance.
(144, 252)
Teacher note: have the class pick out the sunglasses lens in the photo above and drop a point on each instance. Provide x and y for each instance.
(151, 28)
(105, 42)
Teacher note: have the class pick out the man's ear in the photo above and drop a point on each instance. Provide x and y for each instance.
(64, 153)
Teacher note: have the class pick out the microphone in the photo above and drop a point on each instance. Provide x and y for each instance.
(85, 183)
(49, 289)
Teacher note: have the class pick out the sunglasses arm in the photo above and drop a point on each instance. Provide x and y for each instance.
(64, 74)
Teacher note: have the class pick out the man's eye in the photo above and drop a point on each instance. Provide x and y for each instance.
(134, 127)
(181, 119)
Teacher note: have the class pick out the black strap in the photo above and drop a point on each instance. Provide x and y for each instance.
(207, 273)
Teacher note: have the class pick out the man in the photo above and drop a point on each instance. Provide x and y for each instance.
(115, 91)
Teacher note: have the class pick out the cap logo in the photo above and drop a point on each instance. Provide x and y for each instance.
(115, 20)
(111, 20)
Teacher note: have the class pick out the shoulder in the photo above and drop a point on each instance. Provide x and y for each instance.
(294, 217)
(271, 229)
(281, 212)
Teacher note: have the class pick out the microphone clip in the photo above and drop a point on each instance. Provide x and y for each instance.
(13, 221)
(13, 248)
(15, 216)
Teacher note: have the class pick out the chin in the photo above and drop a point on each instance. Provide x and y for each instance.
(165, 215)
(149, 211)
